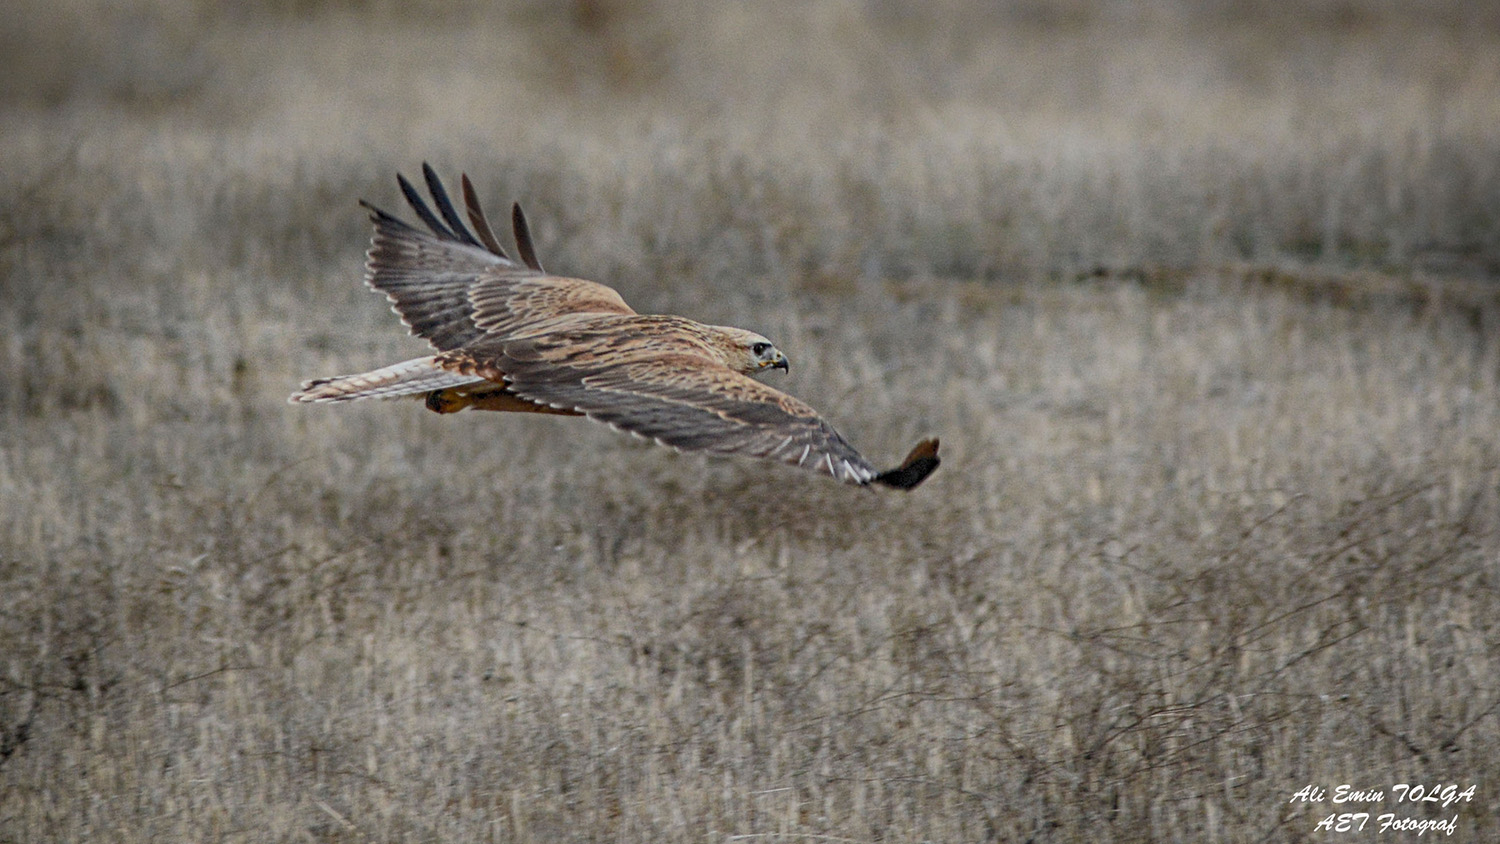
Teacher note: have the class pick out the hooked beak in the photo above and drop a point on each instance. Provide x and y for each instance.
(780, 362)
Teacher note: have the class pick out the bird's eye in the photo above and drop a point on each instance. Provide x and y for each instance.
(760, 348)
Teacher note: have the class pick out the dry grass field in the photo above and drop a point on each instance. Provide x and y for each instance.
(1203, 299)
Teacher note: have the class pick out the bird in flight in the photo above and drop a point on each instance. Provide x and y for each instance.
(511, 337)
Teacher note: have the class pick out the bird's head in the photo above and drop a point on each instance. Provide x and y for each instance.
(751, 353)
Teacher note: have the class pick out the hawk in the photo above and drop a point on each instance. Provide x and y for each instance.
(511, 337)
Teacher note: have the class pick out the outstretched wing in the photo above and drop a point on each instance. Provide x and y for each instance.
(663, 386)
(452, 287)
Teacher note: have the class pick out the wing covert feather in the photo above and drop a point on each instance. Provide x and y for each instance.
(453, 288)
(675, 395)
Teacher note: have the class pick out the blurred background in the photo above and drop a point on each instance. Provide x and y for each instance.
(1200, 296)
(951, 137)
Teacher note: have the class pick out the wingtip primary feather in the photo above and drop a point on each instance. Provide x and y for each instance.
(445, 206)
(523, 238)
(478, 220)
(921, 462)
(419, 205)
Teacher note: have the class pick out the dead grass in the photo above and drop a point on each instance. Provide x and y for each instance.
(1201, 303)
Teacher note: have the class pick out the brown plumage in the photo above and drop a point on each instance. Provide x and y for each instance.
(510, 337)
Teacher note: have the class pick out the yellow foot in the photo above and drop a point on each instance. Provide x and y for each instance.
(447, 401)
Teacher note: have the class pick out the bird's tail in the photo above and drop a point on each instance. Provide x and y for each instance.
(412, 377)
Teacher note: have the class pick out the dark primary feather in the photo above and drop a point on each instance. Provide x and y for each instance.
(419, 205)
(523, 238)
(921, 462)
(478, 220)
(445, 206)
